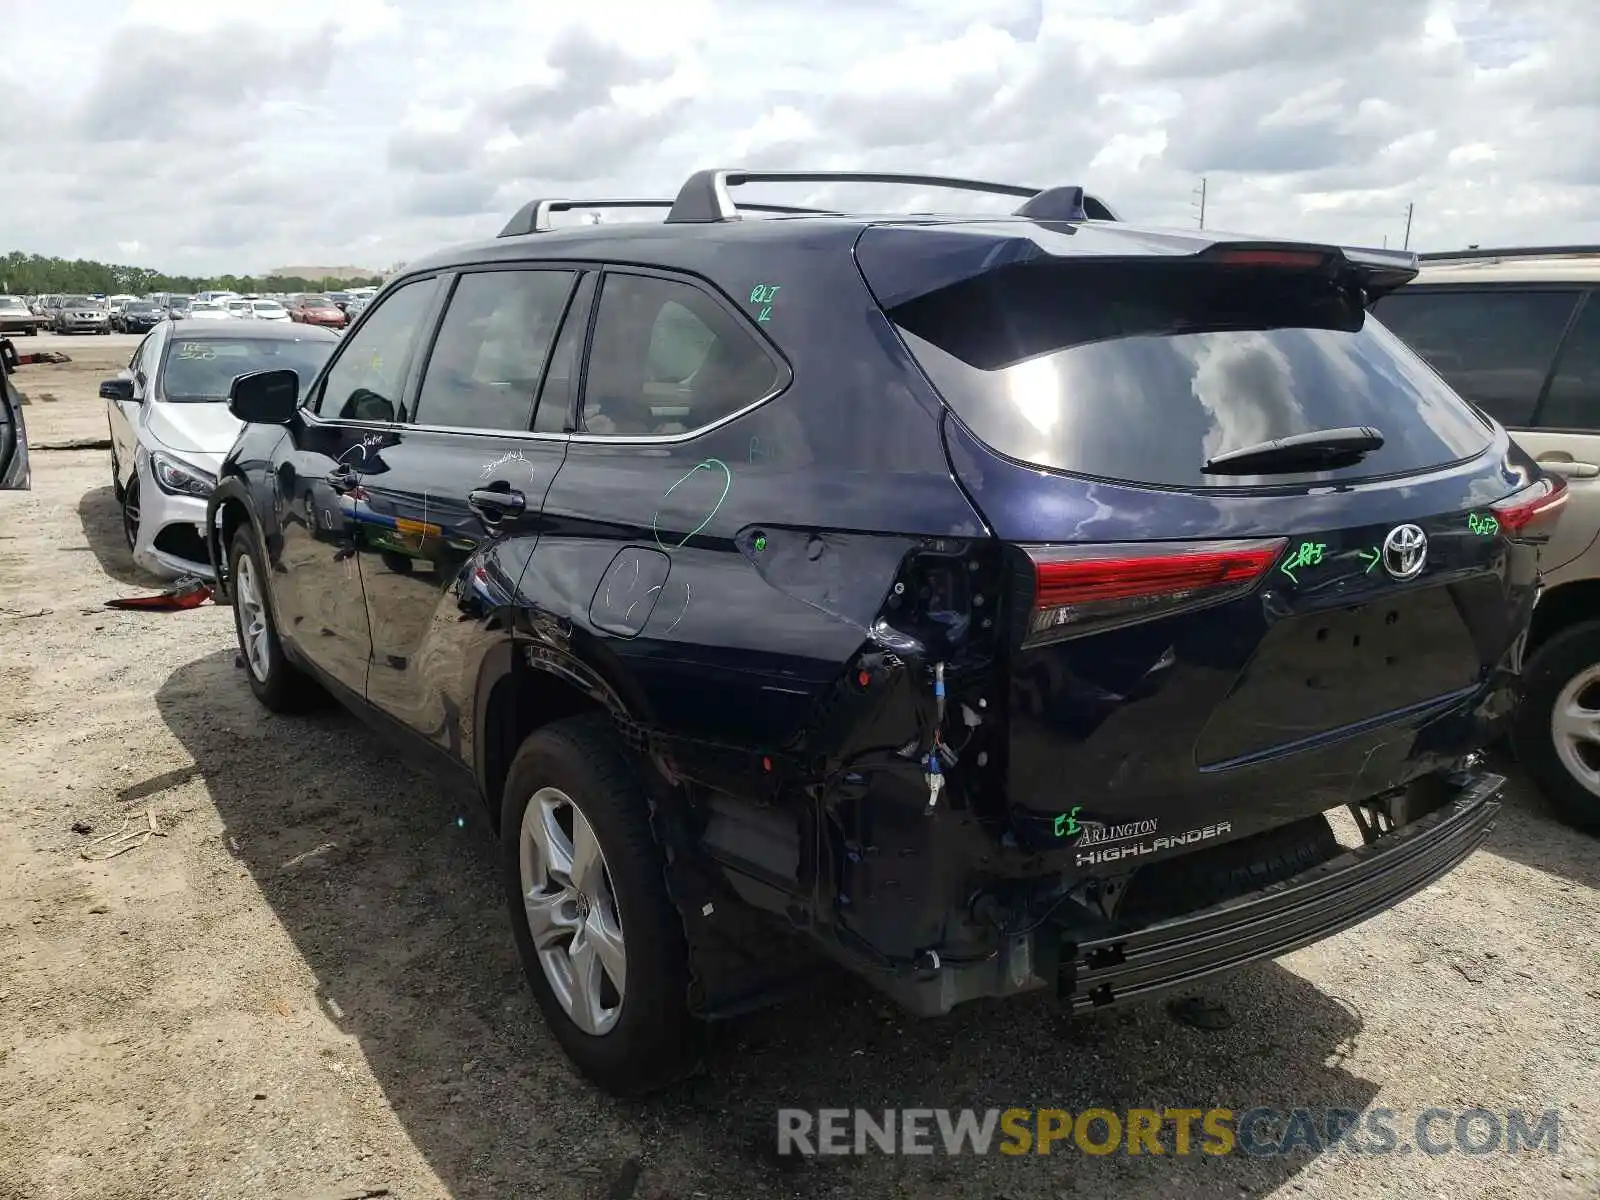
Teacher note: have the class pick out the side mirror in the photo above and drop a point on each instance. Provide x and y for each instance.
(265, 397)
(120, 388)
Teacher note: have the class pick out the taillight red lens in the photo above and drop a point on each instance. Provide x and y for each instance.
(1245, 257)
(1081, 587)
(1533, 511)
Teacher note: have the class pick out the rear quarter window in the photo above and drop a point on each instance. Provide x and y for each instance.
(1142, 374)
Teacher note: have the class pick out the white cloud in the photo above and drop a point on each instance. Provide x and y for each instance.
(204, 135)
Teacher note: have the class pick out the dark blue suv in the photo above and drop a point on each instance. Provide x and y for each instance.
(985, 603)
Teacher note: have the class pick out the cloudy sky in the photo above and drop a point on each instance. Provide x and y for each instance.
(223, 135)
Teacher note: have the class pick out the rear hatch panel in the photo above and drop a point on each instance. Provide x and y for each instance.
(1085, 397)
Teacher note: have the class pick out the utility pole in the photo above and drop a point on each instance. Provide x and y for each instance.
(1410, 208)
(1200, 202)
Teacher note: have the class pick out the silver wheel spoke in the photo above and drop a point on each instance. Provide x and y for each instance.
(606, 938)
(586, 865)
(552, 916)
(1575, 721)
(587, 1009)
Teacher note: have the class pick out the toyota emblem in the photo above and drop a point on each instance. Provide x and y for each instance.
(1405, 551)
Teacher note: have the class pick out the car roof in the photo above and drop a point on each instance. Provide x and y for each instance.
(654, 243)
(1510, 265)
(1059, 221)
(199, 331)
(1511, 271)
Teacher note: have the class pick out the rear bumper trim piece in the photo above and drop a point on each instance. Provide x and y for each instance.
(1297, 912)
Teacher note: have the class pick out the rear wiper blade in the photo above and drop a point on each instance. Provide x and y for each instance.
(1318, 450)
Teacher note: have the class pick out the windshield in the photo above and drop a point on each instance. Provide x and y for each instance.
(1143, 374)
(79, 302)
(267, 306)
(11, 302)
(140, 306)
(316, 302)
(201, 370)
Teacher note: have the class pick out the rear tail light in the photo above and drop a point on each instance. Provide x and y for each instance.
(1532, 513)
(1080, 588)
(1244, 256)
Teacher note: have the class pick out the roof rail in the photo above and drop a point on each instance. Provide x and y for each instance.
(704, 196)
(534, 216)
(1474, 254)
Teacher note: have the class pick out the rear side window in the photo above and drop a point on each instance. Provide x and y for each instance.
(1493, 347)
(667, 358)
(484, 369)
(1143, 372)
(1573, 401)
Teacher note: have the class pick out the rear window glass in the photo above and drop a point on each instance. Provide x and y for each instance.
(1494, 348)
(1142, 373)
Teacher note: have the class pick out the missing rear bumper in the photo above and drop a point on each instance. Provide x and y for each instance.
(1332, 897)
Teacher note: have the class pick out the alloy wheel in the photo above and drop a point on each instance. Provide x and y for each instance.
(1575, 727)
(252, 616)
(572, 911)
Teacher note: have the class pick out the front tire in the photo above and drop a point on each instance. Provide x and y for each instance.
(1557, 727)
(276, 682)
(601, 943)
(129, 497)
(116, 467)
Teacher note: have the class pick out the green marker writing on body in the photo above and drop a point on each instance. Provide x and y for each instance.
(1309, 554)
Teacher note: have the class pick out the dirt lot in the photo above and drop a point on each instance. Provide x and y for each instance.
(305, 987)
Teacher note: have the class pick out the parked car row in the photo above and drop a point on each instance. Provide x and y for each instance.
(134, 314)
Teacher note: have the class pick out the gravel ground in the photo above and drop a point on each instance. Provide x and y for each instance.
(305, 986)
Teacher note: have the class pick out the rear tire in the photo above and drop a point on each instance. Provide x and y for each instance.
(1560, 682)
(276, 681)
(574, 771)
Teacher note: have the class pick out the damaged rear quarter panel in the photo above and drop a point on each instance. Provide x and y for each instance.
(765, 550)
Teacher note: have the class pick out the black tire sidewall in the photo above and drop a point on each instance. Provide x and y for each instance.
(129, 493)
(1549, 670)
(655, 1041)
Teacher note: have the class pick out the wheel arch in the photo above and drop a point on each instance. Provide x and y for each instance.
(528, 683)
(1562, 608)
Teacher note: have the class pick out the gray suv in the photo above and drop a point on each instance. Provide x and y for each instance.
(80, 314)
(1517, 333)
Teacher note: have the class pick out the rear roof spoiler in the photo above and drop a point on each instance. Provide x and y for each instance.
(1381, 271)
(902, 267)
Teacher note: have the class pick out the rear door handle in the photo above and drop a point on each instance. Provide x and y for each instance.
(1568, 469)
(494, 505)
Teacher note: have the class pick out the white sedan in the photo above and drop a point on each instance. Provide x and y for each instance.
(170, 427)
(208, 310)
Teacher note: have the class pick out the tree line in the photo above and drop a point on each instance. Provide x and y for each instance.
(36, 275)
